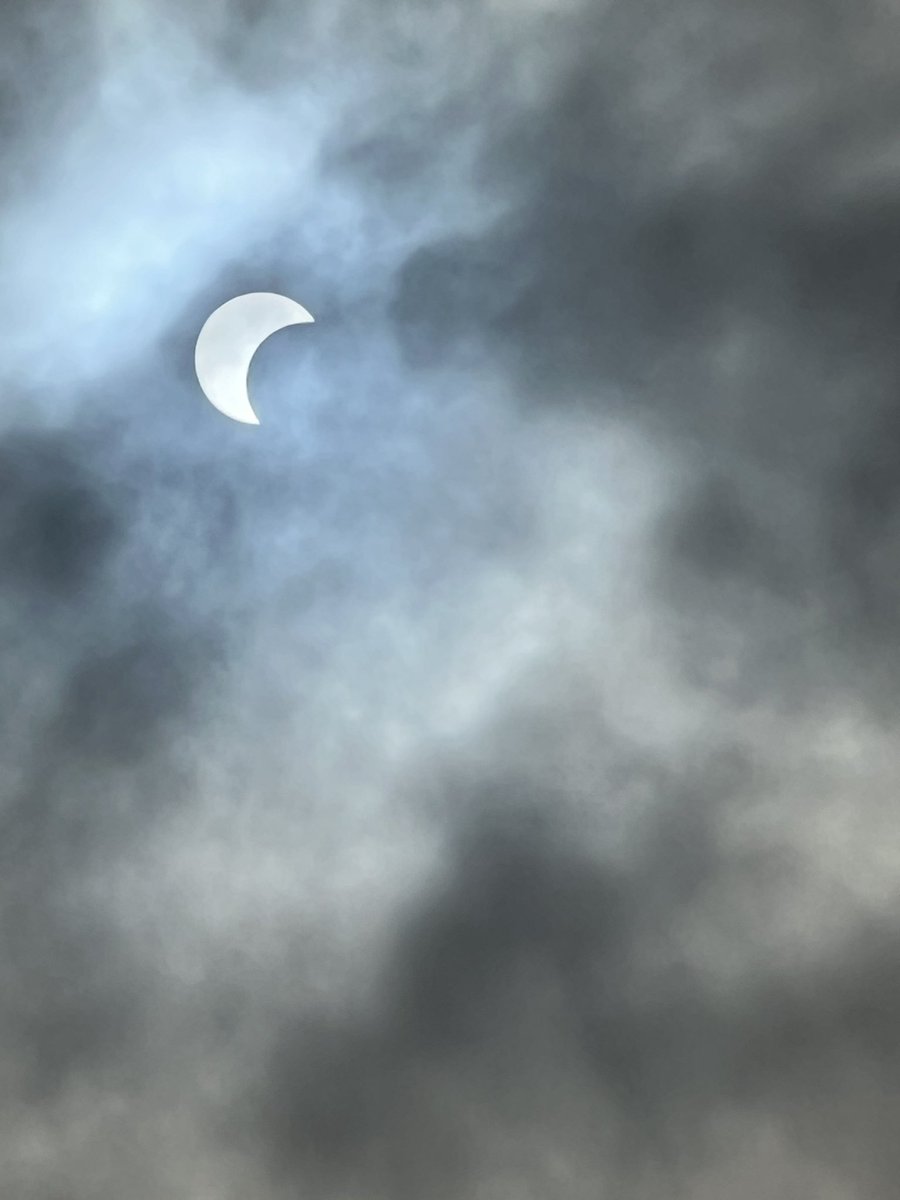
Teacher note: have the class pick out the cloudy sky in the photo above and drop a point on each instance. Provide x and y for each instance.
(479, 779)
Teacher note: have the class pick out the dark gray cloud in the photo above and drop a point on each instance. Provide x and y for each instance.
(58, 526)
(520, 1018)
(601, 291)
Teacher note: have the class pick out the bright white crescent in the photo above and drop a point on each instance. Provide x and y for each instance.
(228, 341)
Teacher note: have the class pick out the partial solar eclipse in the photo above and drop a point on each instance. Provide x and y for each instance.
(228, 341)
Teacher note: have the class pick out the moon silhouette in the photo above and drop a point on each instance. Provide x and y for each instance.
(228, 341)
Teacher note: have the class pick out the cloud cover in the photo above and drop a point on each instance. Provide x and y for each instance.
(477, 780)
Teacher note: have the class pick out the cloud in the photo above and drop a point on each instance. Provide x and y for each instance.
(57, 526)
(540, 1022)
(478, 779)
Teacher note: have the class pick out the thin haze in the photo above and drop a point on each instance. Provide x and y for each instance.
(478, 780)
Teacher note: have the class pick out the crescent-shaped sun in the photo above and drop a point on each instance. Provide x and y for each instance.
(228, 341)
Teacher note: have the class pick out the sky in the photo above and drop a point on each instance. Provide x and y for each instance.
(477, 780)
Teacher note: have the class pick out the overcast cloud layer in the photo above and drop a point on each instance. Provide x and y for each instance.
(478, 780)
